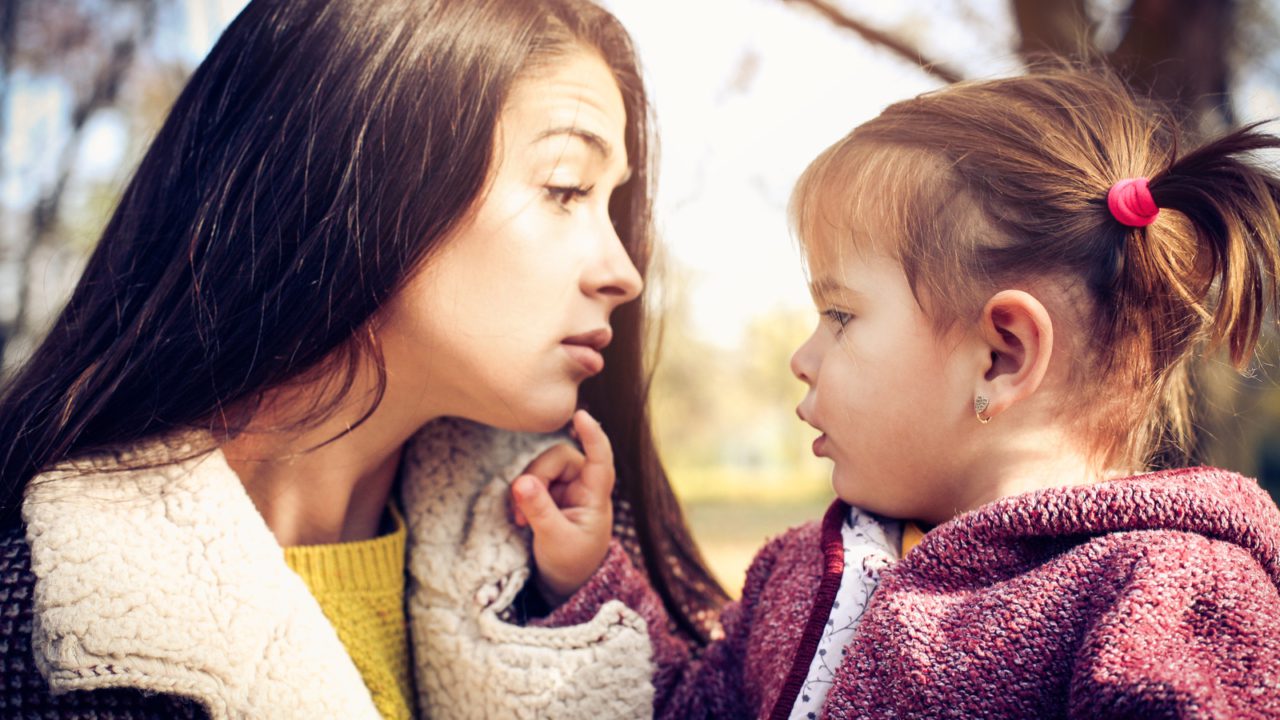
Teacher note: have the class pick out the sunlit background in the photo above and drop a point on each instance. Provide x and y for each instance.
(745, 93)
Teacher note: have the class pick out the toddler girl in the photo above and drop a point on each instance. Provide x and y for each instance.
(1013, 278)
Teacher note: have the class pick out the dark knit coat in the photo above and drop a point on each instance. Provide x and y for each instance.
(1156, 596)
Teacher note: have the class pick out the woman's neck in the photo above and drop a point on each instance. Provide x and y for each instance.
(317, 498)
(314, 489)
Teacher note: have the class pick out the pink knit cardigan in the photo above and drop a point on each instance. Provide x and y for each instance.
(1152, 596)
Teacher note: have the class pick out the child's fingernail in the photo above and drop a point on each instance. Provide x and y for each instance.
(522, 487)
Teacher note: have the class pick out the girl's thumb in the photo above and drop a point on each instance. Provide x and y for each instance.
(536, 504)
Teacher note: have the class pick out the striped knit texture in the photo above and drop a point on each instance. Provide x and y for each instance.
(360, 588)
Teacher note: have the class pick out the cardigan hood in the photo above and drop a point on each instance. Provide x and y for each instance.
(997, 538)
(167, 579)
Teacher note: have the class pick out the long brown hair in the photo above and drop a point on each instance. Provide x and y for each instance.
(317, 157)
(1002, 183)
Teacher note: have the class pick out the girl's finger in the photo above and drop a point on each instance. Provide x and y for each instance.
(597, 473)
(517, 515)
(540, 512)
(558, 462)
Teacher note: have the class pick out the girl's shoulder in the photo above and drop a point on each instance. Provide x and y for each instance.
(797, 555)
(1201, 527)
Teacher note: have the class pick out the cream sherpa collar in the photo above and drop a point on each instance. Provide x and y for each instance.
(168, 580)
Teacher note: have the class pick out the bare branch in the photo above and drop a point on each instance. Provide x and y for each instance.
(895, 45)
(1053, 28)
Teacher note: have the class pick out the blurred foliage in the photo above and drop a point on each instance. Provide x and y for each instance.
(97, 61)
(1240, 415)
(725, 417)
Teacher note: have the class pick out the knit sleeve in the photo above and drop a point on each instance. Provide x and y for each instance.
(1194, 633)
(689, 683)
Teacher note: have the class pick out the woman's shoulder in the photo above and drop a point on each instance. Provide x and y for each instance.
(23, 690)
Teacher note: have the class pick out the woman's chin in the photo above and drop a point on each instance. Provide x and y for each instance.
(533, 417)
(546, 425)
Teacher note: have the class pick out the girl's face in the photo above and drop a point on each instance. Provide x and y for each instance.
(882, 391)
(510, 315)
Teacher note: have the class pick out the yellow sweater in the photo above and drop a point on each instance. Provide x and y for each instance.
(360, 588)
(912, 534)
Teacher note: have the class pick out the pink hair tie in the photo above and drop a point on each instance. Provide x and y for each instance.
(1131, 203)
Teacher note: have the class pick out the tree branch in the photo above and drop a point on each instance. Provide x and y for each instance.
(895, 45)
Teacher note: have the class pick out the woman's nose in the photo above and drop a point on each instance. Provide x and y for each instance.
(613, 275)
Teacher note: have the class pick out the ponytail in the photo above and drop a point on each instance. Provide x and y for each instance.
(1234, 209)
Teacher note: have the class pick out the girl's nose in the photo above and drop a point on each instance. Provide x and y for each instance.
(803, 361)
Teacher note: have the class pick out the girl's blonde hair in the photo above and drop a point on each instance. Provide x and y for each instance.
(988, 185)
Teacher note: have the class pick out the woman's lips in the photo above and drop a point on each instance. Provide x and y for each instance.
(585, 348)
(588, 357)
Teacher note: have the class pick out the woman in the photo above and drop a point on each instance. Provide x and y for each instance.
(359, 218)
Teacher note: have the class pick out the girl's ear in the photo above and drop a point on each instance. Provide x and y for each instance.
(1019, 335)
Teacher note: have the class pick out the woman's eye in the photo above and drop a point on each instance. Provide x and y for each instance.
(564, 195)
(839, 317)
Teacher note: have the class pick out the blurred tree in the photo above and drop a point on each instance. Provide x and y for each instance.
(1181, 52)
(1178, 51)
(901, 47)
(87, 50)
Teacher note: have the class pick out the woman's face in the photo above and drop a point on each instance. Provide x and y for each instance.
(509, 317)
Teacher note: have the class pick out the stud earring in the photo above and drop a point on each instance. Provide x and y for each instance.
(980, 404)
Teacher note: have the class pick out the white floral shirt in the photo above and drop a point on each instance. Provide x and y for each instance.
(871, 544)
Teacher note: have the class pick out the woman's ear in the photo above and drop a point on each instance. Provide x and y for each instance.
(1019, 335)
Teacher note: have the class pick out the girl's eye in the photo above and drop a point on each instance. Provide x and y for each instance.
(839, 317)
(566, 195)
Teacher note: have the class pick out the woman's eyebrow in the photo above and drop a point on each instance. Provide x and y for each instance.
(593, 140)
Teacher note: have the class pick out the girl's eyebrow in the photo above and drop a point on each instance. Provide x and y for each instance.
(826, 290)
(592, 140)
(829, 286)
(824, 286)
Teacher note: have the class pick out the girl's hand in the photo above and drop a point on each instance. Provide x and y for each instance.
(565, 497)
